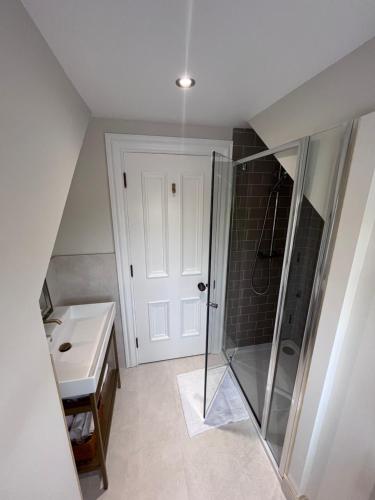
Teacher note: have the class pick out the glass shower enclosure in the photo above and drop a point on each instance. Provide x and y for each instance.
(272, 217)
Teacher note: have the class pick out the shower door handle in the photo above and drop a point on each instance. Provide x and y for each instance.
(213, 304)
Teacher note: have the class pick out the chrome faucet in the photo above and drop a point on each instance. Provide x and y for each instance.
(52, 320)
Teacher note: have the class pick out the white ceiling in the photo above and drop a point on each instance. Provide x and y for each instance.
(123, 56)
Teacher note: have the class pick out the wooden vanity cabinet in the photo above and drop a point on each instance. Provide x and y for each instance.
(91, 455)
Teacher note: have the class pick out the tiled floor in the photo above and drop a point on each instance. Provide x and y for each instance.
(151, 456)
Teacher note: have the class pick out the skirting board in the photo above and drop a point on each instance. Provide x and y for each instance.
(289, 491)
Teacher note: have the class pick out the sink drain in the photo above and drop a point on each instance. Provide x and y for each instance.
(65, 346)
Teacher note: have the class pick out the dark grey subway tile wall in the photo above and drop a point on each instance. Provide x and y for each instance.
(250, 317)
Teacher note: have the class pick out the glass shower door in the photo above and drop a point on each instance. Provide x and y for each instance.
(264, 203)
(221, 200)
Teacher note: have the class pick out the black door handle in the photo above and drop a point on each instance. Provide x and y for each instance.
(202, 287)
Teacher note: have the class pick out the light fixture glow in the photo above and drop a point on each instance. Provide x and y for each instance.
(185, 82)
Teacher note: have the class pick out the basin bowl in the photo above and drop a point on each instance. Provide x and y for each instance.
(83, 338)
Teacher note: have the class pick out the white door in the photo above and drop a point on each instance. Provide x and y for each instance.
(168, 203)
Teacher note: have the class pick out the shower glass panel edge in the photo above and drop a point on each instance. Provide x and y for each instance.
(221, 205)
(292, 225)
(322, 268)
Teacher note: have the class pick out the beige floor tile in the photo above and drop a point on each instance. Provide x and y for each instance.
(157, 473)
(184, 365)
(151, 456)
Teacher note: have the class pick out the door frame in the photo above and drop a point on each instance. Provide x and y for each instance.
(117, 146)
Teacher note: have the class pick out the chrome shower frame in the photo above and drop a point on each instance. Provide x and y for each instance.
(301, 146)
(322, 268)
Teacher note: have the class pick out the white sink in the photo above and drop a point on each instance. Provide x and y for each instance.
(87, 328)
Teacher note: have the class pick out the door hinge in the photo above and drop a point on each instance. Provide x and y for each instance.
(136, 342)
(131, 270)
(125, 182)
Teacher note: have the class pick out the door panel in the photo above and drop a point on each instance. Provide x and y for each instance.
(191, 224)
(155, 213)
(168, 198)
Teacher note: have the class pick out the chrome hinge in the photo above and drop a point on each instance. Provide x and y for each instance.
(131, 270)
(136, 342)
(213, 304)
(125, 181)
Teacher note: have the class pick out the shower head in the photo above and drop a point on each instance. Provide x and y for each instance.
(277, 186)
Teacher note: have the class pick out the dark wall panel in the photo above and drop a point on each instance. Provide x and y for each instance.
(250, 317)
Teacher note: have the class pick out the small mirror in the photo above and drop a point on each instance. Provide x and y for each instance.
(45, 302)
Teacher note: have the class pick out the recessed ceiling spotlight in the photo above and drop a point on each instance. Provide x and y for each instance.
(185, 82)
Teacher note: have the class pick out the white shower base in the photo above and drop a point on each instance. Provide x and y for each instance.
(251, 364)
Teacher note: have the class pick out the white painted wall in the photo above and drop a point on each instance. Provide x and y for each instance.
(319, 469)
(86, 225)
(323, 154)
(334, 454)
(340, 93)
(42, 124)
